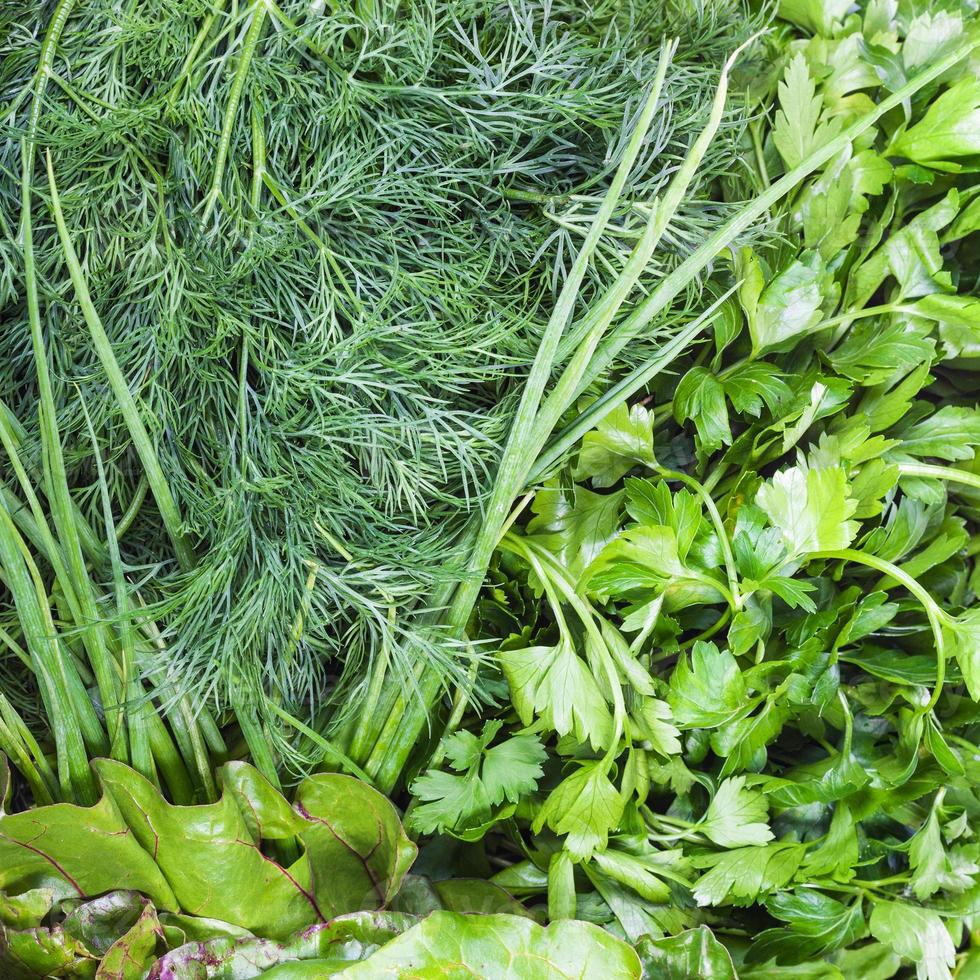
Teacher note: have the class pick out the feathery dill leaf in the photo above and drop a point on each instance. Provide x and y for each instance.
(324, 246)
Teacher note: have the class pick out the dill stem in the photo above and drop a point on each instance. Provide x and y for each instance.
(512, 470)
(127, 403)
(251, 42)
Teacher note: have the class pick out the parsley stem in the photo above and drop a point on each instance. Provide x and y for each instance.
(719, 525)
(934, 613)
(948, 473)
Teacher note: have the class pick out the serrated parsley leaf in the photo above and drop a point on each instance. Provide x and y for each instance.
(707, 688)
(654, 723)
(586, 806)
(574, 524)
(791, 304)
(916, 934)
(736, 816)
(798, 131)
(489, 776)
(949, 131)
(452, 802)
(555, 684)
(754, 384)
(810, 507)
(747, 873)
(700, 397)
(963, 635)
(951, 433)
(622, 440)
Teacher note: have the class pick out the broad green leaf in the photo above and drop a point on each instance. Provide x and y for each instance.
(916, 934)
(810, 508)
(949, 131)
(707, 688)
(736, 816)
(43, 953)
(692, 953)
(622, 440)
(26, 909)
(196, 846)
(356, 850)
(264, 809)
(574, 524)
(476, 896)
(500, 946)
(585, 806)
(99, 923)
(78, 852)
(323, 950)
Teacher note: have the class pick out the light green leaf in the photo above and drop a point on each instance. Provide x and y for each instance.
(747, 873)
(585, 806)
(917, 935)
(556, 684)
(816, 16)
(810, 507)
(963, 635)
(574, 524)
(736, 816)
(949, 131)
(622, 440)
(707, 688)
(653, 721)
(499, 946)
(77, 851)
(791, 305)
(798, 131)
(951, 433)
(131, 956)
(701, 398)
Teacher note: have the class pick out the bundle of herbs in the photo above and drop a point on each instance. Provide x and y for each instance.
(300, 264)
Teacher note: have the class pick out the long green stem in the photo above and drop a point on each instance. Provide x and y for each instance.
(124, 397)
(251, 42)
(948, 474)
(933, 612)
(516, 457)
